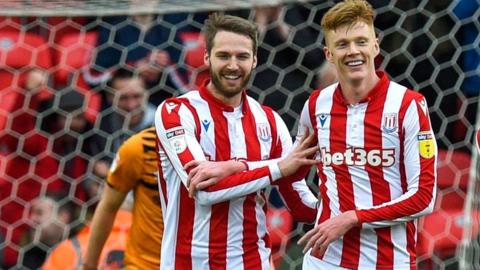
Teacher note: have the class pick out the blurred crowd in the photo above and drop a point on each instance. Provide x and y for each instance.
(73, 89)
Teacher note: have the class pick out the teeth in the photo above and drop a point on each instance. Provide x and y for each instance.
(231, 77)
(355, 63)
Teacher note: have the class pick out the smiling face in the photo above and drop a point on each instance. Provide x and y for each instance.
(230, 61)
(352, 49)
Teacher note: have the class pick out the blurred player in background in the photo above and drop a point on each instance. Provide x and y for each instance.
(220, 223)
(377, 150)
(134, 168)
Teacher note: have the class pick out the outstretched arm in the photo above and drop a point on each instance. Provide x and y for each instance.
(102, 224)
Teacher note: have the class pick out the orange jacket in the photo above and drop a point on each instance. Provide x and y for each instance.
(69, 254)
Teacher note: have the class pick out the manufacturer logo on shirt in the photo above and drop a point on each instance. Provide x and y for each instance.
(389, 122)
(170, 106)
(205, 124)
(322, 118)
(263, 132)
(426, 144)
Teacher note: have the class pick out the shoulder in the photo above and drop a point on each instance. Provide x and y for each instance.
(132, 147)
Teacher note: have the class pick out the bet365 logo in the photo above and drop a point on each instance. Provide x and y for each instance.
(359, 157)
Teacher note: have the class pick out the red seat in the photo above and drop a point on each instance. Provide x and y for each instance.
(452, 178)
(194, 44)
(74, 53)
(19, 52)
(279, 226)
(441, 232)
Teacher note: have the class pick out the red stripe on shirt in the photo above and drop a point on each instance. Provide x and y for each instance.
(326, 212)
(219, 211)
(186, 205)
(161, 178)
(338, 124)
(380, 187)
(422, 197)
(251, 256)
(410, 226)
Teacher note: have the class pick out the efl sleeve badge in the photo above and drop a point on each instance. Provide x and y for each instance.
(426, 144)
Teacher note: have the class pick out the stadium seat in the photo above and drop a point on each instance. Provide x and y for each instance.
(19, 52)
(194, 43)
(452, 178)
(73, 53)
(441, 232)
(279, 226)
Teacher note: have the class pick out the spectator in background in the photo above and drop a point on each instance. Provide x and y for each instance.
(146, 42)
(69, 254)
(129, 112)
(288, 73)
(29, 167)
(48, 220)
(72, 143)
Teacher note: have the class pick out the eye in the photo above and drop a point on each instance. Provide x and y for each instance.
(362, 42)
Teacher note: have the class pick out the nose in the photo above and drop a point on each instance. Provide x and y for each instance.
(352, 48)
(232, 64)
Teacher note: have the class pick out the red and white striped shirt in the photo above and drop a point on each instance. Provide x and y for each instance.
(379, 158)
(224, 226)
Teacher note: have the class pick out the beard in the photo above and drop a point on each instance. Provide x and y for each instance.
(226, 90)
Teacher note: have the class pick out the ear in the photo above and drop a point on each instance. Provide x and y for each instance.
(206, 58)
(376, 46)
(254, 62)
(328, 54)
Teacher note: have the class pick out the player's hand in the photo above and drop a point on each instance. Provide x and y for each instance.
(328, 231)
(203, 174)
(301, 155)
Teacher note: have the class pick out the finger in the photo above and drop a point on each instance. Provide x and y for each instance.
(191, 190)
(322, 249)
(191, 164)
(310, 151)
(207, 183)
(312, 241)
(306, 236)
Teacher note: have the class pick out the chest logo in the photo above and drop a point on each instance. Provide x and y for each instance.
(263, 132)
(390, 122)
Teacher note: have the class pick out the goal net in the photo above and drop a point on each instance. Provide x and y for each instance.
(57, 56)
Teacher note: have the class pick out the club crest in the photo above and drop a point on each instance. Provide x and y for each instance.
(263, 132)
(389, 122)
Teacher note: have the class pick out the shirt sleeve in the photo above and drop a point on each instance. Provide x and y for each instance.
(177, 133)
(294, 191)
(419, 163)
(126, 168)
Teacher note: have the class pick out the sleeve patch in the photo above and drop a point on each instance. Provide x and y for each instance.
(426, 144)
(177, 139)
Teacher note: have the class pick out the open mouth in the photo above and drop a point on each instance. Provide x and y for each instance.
(355, 63)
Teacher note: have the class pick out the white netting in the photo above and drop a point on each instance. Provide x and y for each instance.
(49, 47)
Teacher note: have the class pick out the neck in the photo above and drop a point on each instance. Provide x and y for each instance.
(233, 101)
(354, 91)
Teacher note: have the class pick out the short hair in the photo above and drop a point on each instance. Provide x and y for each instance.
(217, 22)
(347, 13)
(121, 73)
